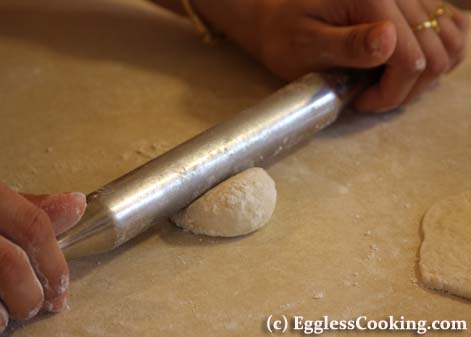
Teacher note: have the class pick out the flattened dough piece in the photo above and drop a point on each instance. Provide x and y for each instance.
(445, 254)
(238, 206)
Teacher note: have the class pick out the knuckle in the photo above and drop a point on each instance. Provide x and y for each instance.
(11, 258)
(34, 223)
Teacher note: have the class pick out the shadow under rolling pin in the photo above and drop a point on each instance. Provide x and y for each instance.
(132, 203)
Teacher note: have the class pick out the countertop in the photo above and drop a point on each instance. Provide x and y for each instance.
(92, 89)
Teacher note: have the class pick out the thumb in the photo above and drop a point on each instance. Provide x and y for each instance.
(360, 46)
(64, 210)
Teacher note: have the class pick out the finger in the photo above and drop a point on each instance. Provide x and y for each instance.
(3, 318)
(402, 70)
(29, 227)
(460, 18)
(438, 61)
(64, 210)
(360, 46)
(56, 305)
(453, 38)
(20, 289)
(454, 41)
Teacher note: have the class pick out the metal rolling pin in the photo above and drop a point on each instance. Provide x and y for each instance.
(129, 205)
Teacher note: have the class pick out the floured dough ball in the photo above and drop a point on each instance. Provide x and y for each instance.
(240, 205)
(445, 253)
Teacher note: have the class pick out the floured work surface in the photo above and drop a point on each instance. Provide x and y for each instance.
(89, 92)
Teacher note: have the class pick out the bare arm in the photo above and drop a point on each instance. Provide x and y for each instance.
(294, 37)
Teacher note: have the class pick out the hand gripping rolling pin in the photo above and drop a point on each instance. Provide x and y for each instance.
(132, 203)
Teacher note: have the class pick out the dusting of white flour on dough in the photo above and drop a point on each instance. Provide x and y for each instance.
(238, 206)
(445, 253)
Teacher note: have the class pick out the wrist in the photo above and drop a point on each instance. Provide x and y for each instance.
(238, 20)
(201, 25)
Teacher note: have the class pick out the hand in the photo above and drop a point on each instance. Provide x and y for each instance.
(33, 270)
(294, 37)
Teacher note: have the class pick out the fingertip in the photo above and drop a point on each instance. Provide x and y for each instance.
(382, 40)
(64, 284)
(79, 197)
(32, 313)
(364, 103)
(64, 210)
(59, 282)
(52, 270)
(370, 102)
(3, 318)
(461, 19)
(79, 201)
(57, 304)
(26, 315)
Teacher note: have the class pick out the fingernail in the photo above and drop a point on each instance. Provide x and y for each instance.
(56, 305)
(64, 284)
(374, 46)
(81, 203)
(388, 109)
(64, 210)
(420, 64)
(376, 41)
(78, 195)
(3, 319)
(32, 313)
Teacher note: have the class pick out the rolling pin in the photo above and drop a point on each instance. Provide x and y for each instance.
(132, 203)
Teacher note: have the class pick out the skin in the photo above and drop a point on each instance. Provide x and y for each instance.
(34, 273)
(289, 37)
(294, 37)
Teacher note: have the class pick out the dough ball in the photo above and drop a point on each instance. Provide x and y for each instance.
(445, 253)
(240, 205)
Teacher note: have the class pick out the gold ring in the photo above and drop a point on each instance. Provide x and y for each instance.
(433, 23)
(428, 24)
(441, 10)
